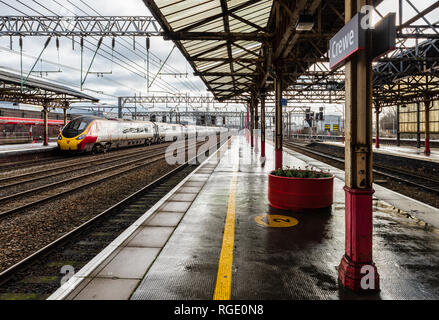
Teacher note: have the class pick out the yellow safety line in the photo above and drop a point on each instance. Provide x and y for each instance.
(224, 277)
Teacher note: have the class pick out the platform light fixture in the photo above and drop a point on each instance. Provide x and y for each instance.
(305, 22)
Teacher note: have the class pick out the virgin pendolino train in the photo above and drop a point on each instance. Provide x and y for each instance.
(94, 134)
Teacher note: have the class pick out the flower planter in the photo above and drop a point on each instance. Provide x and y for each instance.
(300, 193)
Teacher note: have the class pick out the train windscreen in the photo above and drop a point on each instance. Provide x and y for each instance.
(76, 126)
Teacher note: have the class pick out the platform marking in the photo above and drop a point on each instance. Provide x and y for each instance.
(276, 221)
(224, 277)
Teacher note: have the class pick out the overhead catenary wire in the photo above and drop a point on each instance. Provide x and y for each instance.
(122, 39)
(124, 65)
(65, 66)
(133, 68)
(112, 48)
(73, 41)
(166, 67)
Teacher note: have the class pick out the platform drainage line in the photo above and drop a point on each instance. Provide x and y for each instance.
(224, 277)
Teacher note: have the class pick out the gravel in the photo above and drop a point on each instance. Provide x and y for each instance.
(24, 233)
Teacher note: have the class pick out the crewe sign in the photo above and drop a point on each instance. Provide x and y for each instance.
(352, 37)
(346, 42)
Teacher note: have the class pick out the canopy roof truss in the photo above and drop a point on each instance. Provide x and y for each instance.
(238, 46)
(38, 92)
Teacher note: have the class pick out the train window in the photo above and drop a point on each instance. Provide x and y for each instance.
(76, 126)
(82, 125)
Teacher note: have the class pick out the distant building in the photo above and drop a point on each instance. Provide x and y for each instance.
(332, 123)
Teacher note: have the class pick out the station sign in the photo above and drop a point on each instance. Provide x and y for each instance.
(347, 41)
(327, 126)
(283, 102)
(335, 127)
(352, 38)
(384, 36)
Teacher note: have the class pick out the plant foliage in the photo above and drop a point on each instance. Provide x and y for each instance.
(300, 173)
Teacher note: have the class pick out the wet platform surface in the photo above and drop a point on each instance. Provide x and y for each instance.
(402, 151)
(298, 262)
(295, 262)
(13, 149)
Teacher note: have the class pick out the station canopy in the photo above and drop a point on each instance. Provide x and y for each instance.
(235, 45)
(38, 92)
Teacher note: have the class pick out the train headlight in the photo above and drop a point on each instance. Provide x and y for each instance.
(82, 136)
(59, 137)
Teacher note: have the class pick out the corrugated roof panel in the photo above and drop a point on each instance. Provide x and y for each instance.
(191, 16)
(170, 7)
(213, 26)
(238, 26)
(222, 51)
(196, 46)
(249, 67)
(180, 14)
(224, 86)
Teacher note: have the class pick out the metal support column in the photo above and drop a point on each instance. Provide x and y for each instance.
(65, 115)
(256, 134)
(418, 125)
(278, 119)
(357, 262)
(263, 124)
(46, 125)
(252, 121)
(377, 121)
(119, 107)
(427, 127)
(289, 124)
(398, 134)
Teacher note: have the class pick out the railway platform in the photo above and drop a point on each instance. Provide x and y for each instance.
(8, 150)
(402, 151)
(214, 236)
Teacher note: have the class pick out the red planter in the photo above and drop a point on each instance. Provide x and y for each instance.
(300, 193)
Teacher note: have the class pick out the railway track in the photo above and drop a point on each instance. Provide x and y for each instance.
(39, 275)
(72, 165)
(51, 191)
(27, 163)
(60, 163)
(426, 183)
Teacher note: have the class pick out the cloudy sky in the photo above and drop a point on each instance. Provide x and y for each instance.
(124, 73)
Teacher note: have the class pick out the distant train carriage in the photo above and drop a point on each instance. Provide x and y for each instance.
(94, 134)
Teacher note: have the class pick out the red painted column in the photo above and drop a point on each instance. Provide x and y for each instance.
(263, 124)
(278, 128)
(46, 126)
(357, 270)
